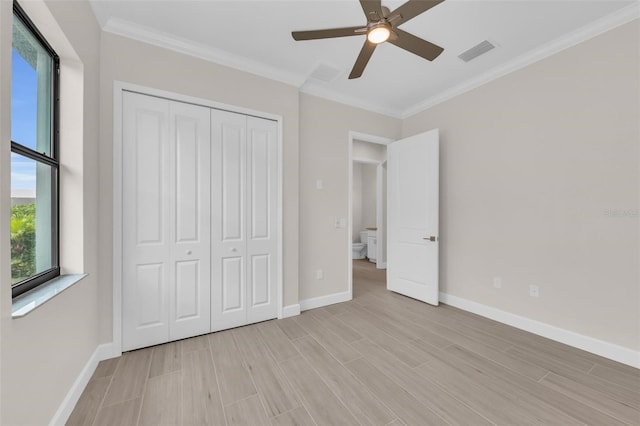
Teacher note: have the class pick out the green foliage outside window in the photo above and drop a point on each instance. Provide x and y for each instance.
(23, 242)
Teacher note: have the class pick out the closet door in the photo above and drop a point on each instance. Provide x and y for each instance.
(228, 220)
(166, 226)
(244, 220)
(190, 151)
(262, 184)
(146, 221)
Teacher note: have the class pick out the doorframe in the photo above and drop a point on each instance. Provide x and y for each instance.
(363, 137)
(380, 208)
(118, 88)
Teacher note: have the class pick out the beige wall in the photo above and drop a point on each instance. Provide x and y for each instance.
(531, 166)
(369, 187)
(369, 151)
(130, 61)
(363, 198)
(43, 353)
(324, 154)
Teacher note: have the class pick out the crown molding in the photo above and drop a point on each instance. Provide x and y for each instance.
(305, 85)
(158, 38)
(321, 91)
(600, 26)
(177, 44)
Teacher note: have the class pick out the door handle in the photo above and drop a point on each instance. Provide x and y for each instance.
(233, 250)
(431, 238)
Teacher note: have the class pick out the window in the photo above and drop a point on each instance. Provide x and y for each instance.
(34, 157)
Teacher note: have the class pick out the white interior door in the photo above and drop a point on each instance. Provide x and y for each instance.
(146, 210)
(244, 220)
(190, 219)
(166, 234)
(412, 182)
(262, 184)
(228, 220)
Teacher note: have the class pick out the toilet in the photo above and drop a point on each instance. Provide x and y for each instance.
(359, 250)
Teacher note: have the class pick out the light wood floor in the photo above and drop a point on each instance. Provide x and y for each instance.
(381, 359)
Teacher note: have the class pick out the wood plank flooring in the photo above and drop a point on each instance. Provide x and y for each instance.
(380, 359)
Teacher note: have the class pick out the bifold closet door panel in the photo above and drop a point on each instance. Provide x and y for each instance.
(166, 220)
(190, 152)
(146, 272)
(228, 220)
(262, 178)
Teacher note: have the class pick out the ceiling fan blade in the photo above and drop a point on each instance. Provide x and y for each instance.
(328, 33)
(372, 9)
(416, 45)
(363, 59)
(411, 9)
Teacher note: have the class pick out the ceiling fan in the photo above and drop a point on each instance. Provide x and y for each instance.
(382, 25)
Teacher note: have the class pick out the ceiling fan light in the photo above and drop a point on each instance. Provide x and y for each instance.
(378, 34)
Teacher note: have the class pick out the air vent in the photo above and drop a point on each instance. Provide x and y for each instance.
(325, 73)
(477, 50)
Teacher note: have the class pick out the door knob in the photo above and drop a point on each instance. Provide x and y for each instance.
(431, 238)
(233, 250)
(188, 251)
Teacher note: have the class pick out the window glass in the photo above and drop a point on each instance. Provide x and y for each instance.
(30, 91)
(34, 166)
(31, 222)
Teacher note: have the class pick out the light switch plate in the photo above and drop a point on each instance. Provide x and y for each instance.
(319, 184)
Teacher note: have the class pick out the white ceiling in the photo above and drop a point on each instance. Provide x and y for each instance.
(256, 36)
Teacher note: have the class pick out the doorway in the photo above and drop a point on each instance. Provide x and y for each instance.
(366, 240)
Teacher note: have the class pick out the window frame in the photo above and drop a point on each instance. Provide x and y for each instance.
(51, 160)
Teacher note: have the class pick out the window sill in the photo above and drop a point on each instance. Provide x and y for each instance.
(26, 303)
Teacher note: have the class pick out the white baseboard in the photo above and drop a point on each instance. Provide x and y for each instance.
(590, 344)
(329, 299)
(381, 265)
(61, 416)
(291, 310)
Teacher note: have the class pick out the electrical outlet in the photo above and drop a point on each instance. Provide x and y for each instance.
(497, 282)
(534, 291)
(319, 274)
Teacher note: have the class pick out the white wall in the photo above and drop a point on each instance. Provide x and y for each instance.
(356, 202)
(534, 167)
(369, 151)
(363, 198)
(44, 352)
(369, 187)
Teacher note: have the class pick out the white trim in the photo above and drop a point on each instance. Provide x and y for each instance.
(363, 137)
(578, 36)
(280, 224)
(590, 344)
(380, 233)
(381, 265)
(365, 161)
(290, 311)
(222, 57)
(118, 88)
(71, 398)
(187, 47)
(329, 299)
(117, 218)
